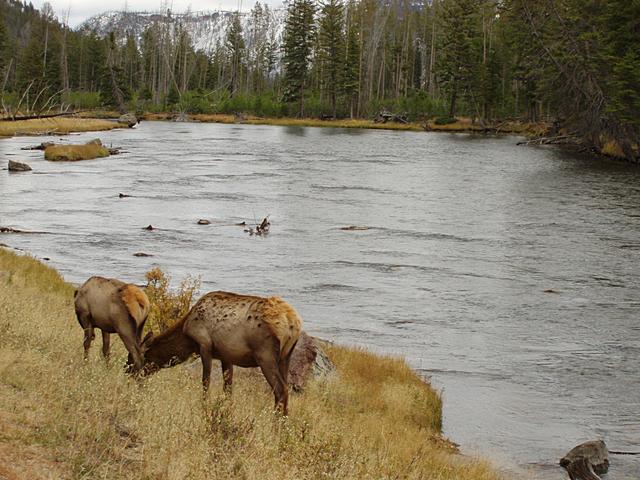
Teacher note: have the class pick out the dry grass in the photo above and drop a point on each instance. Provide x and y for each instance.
(612, 148)
(58, 126)
(72, 153)
(374, 420)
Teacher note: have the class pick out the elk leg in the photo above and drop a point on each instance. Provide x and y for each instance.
(227, 376)
(134, 349)
(205, 356)
(88, 337)
(283, 365)
(271, 371)
(106, 343)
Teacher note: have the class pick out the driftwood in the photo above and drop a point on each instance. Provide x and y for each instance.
(586, 461)
(42, 146)
(35, 117)
(262, 229)
(555, 140)
(384, 117)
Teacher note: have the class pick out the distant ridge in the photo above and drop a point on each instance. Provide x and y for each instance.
(207, 29)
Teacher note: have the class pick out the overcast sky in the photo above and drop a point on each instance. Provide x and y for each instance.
(80, 10)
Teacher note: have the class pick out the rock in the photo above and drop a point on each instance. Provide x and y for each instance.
(204, 221)
(550, 290)
(129, 119)
(354, 227)
(586, 460)
(142, 254)
(123, 195)
(18, 166)
(149, 227)
(308, 361)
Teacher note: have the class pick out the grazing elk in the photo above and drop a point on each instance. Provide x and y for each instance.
(113, 307)
(240, 330)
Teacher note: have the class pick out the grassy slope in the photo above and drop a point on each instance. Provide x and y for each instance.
(61, 417)
(57, 125)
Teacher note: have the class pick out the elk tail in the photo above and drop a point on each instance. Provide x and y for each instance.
(136, 302)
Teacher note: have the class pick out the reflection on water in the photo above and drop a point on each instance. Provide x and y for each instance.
(466, 235)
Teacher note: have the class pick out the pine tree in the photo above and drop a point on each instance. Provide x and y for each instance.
(457, 63)
(236, 53)
(4, 43)
(332, 48)
(351, 62)
(297, 44)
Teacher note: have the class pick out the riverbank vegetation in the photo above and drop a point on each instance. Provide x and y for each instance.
(55, 126)
(63, 417)
(572, 62)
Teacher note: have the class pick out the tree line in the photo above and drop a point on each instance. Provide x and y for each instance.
(576, 61)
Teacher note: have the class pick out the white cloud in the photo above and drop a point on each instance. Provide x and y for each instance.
(80, 10)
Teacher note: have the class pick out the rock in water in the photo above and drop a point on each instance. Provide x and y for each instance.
(128, 119)
(204, 221)
(308, 360)
(18, 166)
(586, 460)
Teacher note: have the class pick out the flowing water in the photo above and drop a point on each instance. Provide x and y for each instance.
(465, 235)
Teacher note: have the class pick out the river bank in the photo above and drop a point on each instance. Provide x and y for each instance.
(56, 126)
(65, 417)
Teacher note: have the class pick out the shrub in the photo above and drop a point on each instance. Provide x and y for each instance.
(444, 120)
(167, 307)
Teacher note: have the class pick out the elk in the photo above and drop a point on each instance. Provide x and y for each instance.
(241, 330)
(113, 307)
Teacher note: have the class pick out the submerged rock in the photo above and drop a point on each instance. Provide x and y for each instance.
(18, 166)
(586, 460)
(204, 221)
(149, 227)
(142, 254)
(308, 360)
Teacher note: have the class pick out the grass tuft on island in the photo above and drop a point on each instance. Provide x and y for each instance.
(55, 126)
(67, 418)
(73, 153)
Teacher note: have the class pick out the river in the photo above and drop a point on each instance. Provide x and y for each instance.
(467, 235)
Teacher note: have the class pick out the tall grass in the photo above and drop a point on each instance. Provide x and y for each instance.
(374, 419)
(57, 125)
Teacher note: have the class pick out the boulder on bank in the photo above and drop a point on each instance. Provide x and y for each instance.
(129, 119)
(308, 360)
(72, 153)
(18, 166)
(587, 460)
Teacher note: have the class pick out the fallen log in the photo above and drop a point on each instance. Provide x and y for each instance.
(42, 146)
(36, 117)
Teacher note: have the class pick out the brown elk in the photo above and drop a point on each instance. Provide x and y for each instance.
(240, 330)
(113, 307)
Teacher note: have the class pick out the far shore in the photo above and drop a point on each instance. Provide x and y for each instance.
(107, 120)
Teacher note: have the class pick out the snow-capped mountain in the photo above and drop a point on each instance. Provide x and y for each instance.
(207, 29)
